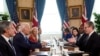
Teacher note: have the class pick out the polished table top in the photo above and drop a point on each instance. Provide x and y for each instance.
(55, 50)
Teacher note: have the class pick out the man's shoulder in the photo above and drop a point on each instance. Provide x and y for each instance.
(18, 36)
(1, 38)
(95, 34)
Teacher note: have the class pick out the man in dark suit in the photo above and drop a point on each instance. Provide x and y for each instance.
(81, 37)
(81, 32)
(80, 41)
(0, 54)
(7, 31)
(21, 42)
(91, 43)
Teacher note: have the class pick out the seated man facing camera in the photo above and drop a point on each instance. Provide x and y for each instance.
(91, 43)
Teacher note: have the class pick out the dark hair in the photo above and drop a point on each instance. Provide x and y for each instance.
(4, 25)
(90, 24)
(67, 30)
(76, 30)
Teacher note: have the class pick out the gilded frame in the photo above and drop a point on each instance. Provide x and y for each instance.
(75, 11)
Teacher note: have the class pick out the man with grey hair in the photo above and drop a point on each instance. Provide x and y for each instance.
(7, 30)
(21, 42)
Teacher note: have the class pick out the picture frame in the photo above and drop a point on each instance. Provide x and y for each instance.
(25, 14)
(75, 11)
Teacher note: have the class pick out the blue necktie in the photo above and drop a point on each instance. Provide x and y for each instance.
(26, 40)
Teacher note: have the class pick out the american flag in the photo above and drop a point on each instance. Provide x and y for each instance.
(14, 15)
(66, 20)
(14, 24)
(84, 15)
(66, 24)
(34, 19)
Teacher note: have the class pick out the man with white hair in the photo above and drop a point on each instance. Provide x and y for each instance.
(21, 42)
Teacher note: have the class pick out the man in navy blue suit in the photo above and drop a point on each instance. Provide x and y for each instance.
(7, 31)
(21, 42)
(81, 37)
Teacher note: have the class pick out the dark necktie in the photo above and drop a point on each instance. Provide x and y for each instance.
(26, 39)
(11, 45)
(86, 40)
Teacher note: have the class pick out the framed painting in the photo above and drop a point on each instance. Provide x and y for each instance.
(75, 11)
(25, 14)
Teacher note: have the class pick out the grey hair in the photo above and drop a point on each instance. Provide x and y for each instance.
(90, 23)
(4, 25)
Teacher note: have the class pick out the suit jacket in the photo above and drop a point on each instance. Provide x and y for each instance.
(0, 54)
(92, 45)
(5, 49)
(79, 42)
(67, 36)
(23, 46)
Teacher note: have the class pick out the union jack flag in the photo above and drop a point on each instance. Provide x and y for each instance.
(84, 15)
(34, 19)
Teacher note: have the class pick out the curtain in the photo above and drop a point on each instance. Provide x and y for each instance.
(61, 8)
(40, 8)
(89, 7)
(11, 4)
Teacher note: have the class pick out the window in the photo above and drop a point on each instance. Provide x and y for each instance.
(51, 21)
(95, 9)
(3, 6)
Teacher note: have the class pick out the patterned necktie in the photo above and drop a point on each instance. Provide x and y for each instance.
(11, 45)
